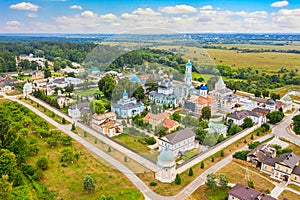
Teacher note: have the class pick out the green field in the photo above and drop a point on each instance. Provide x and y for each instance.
(271, 62)
(87, 92)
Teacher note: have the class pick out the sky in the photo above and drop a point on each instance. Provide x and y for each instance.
(130, 16)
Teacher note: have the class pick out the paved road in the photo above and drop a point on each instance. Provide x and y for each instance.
(281, 129)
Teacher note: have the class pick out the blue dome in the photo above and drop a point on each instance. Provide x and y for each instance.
(166, 155)
(134, 79)
(203, 87)
(125, 94)
(188, 64)
(166, 81)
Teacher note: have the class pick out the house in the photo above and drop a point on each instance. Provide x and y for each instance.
(127, 107)
(161, 119)
(7, 85)
(37, 74)
(242, 192)
(260, 153)
(213, 127)
(77, 110)
(262, 112)
(283, 168)
(107, 124)
(179, 141)
(58, 82)
(238, 117)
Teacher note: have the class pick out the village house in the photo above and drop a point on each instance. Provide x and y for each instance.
(107, 124)
(262, 112)
(161, 119)
(242, 192)
(283, 168)
(179, 142)
(77, 110)
(260, 153)
(238, 117)
(7, 85)
(63, 101)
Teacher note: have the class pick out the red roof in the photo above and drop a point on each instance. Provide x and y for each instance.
(169, 123)
(147, 117)
(204, 100)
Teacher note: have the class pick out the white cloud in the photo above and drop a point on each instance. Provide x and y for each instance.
(13, 23)
(178, 9)
(208, 7)
(24, 6)
(87, 14)
(279, 4)
(76, 7)
(109, 17)
(32, 15)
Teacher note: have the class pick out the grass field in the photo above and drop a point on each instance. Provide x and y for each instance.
(236, 173)
(136, 144)
(66, 182)
(203, 193)
(295, 46)
(286, 194)
(268, 61)
(87, 92)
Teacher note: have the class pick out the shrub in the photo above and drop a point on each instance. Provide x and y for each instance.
(212, 159)
(202, 165)
(178, 179)
(38, 175)
(222, 153)
(150, 140)
(27, 170)
(152, 183)
(42, 163)
(63, 121)
(191, 172)
(242, 155)
(253, 145)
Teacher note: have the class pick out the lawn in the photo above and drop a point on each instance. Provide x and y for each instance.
(87, 92)
(286, 194)
(138, 144)
(236, 173)
(190, 154)
(295, 187)
(203, 193)
(131, 164)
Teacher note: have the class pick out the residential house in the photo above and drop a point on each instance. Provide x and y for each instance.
(213, 127)
(242, 192)
(260, 153)
(239, 116)
(179, 141)
(161, 119)
(262, 112)
(7, 85)
(283, 168)
(196, 103)
(127, 107)
(77, 110)
(107, 124)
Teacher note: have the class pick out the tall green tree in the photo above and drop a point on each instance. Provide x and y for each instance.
(275, 117)
(206, 113)
(107, 85)
(8, 164)
(223, 181)
(88, 184)
(211, 182)
(178, 179)
(296, 123)
(248, 122)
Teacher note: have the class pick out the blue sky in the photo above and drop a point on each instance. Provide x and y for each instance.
(108, 16)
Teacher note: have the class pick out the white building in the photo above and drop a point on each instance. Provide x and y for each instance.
(178, 142)
(27, 89)
(239, 116)
(166, 164)
(107, 124)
